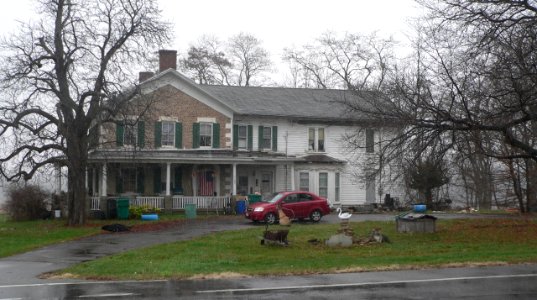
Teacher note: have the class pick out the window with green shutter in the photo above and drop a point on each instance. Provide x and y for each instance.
(274, 138)
(196, 135)
(250, 137)
(178, 135)
(120, 129)
(268, 138)
(141, 134)
(216, 135)
(158, 134)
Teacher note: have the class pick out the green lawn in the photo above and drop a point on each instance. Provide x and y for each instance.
(18, 237)
(456, 242)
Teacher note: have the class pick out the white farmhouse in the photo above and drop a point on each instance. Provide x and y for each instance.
(204, 143)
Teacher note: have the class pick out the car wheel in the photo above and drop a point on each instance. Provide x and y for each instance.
(316, 215)
(270, 218)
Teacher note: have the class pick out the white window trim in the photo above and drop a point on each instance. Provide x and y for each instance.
(210, 135)
(315, 140)
(162, 134)
(206, 120)
(245, 138)
(269, 148)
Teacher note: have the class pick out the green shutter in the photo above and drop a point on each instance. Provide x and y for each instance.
(260, 140)
(141, 134)
(158, 134)
(119, 182)
(216, 135)
(274, 138)
(250, 137)
(140, 180)
(196, 135)
(178, 135)
(235, 137)
(157, 180)
(120, 129)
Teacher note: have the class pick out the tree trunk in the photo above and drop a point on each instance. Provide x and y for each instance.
(77, 194)
(531, 180)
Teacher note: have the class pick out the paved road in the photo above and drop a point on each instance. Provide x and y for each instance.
(20, 273)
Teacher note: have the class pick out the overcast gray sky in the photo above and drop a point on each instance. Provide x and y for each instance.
(277, 23)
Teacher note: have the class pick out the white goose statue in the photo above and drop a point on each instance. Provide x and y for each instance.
(343, 215)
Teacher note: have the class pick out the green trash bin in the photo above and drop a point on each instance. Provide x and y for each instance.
(190, 211)
(122, 208)
(253, 198)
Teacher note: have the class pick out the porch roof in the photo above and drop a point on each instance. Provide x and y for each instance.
(320, 158)
(189, 156)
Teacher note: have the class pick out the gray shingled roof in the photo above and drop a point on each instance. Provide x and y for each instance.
(286, 102)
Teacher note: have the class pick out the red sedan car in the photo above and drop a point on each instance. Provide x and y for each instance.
(296, 205)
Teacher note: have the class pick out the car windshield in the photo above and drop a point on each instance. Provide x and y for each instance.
(276, 197)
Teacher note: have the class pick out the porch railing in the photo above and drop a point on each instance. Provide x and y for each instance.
(179, 202)
(152, 201)
(95, 204)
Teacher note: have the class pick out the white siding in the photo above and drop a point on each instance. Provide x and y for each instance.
(293, 141)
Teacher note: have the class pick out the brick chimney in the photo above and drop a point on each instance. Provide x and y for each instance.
(167, 59)
(143, 76)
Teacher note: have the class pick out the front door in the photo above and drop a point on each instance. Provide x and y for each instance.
(266, 185)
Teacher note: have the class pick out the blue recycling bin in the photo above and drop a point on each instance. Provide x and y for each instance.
(240, 207)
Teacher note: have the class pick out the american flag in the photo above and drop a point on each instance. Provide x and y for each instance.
(206, 183)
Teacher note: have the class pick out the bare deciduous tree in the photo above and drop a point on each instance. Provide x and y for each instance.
(248, 58)
(354, 61)
(207, 62)
(66, 74)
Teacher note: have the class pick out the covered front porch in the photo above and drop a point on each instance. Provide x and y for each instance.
(170, 184)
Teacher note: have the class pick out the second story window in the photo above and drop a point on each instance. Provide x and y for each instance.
(267, 138)
(206, 134)
(316, 139)
(130, 133)
(168, 133)
(243, 136)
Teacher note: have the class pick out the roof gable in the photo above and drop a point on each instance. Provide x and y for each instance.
(182, 83)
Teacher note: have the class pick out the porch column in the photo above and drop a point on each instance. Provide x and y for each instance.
(94, 182)
(86, 183)
(103, 180)
(168, 183)
(292, 177)
(234, 180)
